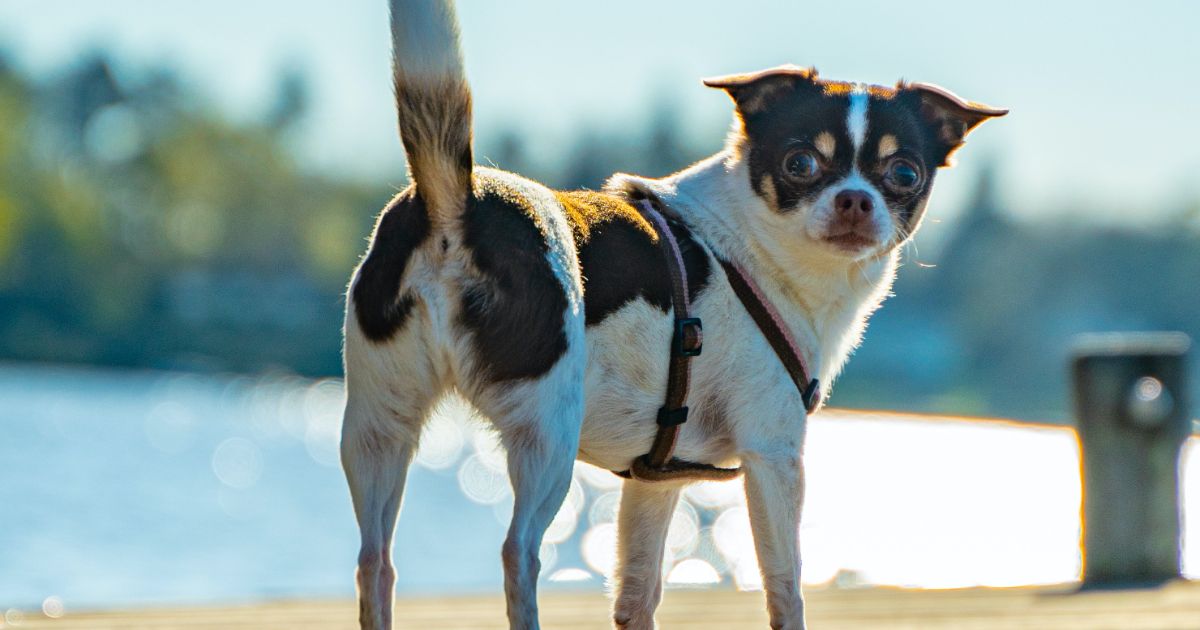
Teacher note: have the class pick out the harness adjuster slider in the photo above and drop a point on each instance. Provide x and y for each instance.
(688, 339)
(672, 417)
(811, 396)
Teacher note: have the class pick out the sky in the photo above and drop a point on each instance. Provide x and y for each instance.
(1103, 125)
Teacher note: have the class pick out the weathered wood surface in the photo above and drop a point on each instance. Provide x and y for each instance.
(1175, 606)
(1132, 415)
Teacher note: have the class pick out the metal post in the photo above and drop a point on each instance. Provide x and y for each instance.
(1132, 417)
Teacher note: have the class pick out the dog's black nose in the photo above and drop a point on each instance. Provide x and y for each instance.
(852, 204)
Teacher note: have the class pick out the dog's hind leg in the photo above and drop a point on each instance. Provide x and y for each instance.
(541, 438)
(644, 518)
(376, 465)
(385, 409)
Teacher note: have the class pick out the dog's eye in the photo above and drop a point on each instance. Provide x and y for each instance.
(902, 175)
(802, 165)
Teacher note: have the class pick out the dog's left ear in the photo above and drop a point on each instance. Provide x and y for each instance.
(753, 91)
(949, 116)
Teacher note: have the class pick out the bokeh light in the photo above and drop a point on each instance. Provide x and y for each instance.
(53, 607)
(170, 427)
(731, 533)
(715, 494)
(597, 478)
(706, 550)
(323, 403)
(237, 462)
(571, 574)
(600, 548)
(442, 442)
(604, 508)
(562, 526)
(819, 550)
(684, 530)
(693, 572)
(576, 499)
(482, 483)
(488, 448)
(548, 556)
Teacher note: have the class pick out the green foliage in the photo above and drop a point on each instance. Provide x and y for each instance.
(137, 229)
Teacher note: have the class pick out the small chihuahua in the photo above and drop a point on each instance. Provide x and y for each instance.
(552, 311)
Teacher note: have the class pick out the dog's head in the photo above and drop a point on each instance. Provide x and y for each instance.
(847, 166)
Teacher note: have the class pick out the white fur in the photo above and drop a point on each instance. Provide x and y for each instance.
(856, 115)
(425, 39)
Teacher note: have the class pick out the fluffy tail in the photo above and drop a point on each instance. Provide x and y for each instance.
(433, 103)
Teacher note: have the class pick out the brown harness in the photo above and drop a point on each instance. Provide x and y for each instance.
(660, 464)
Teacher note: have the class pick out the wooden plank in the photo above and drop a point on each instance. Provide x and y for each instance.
(1175, 606)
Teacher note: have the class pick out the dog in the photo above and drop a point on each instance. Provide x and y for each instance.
(551, 311)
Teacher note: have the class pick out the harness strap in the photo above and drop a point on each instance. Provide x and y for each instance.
(770, 322)
(687, 341)
(660, 464)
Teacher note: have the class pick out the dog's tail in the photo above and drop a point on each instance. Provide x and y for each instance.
(433, 103)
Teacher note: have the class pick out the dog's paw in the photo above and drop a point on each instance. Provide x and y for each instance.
(793, 622)
(633, 620)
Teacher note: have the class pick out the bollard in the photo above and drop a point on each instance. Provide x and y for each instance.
(1132, 418)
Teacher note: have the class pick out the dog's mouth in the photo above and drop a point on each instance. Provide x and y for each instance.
(852, 241)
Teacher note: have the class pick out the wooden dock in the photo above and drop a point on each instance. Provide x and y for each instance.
(1172, 607)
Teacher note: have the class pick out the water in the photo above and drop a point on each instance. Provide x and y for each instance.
(125, 489)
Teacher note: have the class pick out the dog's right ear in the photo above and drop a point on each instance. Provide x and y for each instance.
(752, 92)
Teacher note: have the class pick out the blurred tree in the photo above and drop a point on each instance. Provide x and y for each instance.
(291, 99)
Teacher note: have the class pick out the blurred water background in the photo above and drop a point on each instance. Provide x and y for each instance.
(184, 190)
(150, 487)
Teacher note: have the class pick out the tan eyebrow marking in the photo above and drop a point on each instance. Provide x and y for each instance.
(825, 144)
(888, 146)
(768, 191)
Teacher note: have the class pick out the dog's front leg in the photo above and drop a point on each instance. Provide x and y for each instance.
(774, 494)
(645, 516)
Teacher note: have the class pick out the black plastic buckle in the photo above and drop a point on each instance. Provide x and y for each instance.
(681, 325)
(672, 417)
(811, 396)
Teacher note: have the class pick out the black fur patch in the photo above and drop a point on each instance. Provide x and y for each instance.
(516, 311)
(620, 256)
(402, 227)
(795, 114)
(378, 305)
(900, 118)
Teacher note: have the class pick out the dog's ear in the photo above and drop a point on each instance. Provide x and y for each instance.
(948, 116)
(752, 92)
